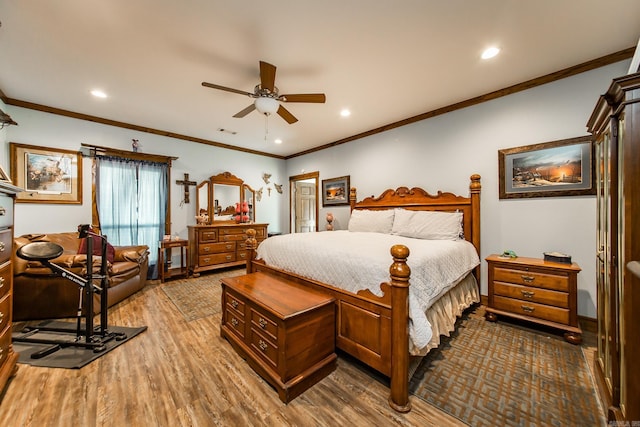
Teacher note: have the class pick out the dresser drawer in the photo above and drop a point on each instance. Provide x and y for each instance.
(540, 311)
(263, 323)
(235, 302)
(6, 245)
(235, 321)
(5, 279)
(232, 231)
(212, 259)
(527, 293)
(5, 343)
(5, 316)
(216, 248)
(208, 236)
(6, 211)
(557, 282)
(263, 347)
(233, 237)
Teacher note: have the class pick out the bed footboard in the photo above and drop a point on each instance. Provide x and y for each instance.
(375, 330)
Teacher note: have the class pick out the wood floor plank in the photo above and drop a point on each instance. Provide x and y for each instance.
(180, 373)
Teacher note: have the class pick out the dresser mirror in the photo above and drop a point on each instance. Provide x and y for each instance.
(203, 207)
(226, 192)
(249, 196)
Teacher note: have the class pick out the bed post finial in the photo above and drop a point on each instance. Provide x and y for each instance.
(251, 245)
(352, 197)
(474, 189)
(400, 273)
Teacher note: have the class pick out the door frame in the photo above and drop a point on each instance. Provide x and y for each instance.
(292, 185)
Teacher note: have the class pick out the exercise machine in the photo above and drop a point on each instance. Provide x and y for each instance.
(89, 336)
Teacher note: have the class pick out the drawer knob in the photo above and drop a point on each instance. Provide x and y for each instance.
(528, 294)
(2, 246)
(527, 309)
(234, 303)
(1, 282)
(207, 259)
(3, 211)
(228, 257)
(207, 249)
(263, 323)
(262, 345)
(528, 279)
(1, 316)
(229, 246)
(234, 321)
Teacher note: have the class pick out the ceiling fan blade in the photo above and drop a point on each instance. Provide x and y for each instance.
(227, 89)
(246, 111)
(267, 76)
(304, 97)
(285, 114)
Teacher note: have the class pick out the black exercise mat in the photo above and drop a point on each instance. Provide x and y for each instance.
(67, 357)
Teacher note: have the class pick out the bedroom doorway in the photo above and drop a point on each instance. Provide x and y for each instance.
(303, 202)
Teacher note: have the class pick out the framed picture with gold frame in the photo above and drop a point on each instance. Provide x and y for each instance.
(47, 175)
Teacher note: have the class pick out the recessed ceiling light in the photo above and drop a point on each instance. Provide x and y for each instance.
(98, 93)
(277, 141)
(345, 113)
(490, 52)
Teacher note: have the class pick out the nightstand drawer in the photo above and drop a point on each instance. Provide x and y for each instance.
(526, 308)
(527, 293)
(558, 282)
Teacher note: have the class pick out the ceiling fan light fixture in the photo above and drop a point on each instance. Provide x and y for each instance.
(266, 105)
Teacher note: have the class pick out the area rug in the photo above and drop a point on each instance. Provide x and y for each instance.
(67, 356)
(199, 297)
(490, 374)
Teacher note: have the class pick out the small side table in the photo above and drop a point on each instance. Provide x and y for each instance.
(165, 246)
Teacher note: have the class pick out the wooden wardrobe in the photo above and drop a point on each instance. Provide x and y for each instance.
(615, 124)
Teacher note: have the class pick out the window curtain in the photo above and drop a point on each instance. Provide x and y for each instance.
(132, 199)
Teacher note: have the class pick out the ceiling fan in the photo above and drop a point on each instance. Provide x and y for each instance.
(267, 98)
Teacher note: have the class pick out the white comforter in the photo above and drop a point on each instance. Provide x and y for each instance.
(355, 261)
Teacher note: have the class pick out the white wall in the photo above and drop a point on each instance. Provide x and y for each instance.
(198, 160)
(442, 152)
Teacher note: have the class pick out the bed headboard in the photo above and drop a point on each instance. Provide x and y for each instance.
(418, 199)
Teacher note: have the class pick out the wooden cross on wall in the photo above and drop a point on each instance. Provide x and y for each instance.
(186, 184)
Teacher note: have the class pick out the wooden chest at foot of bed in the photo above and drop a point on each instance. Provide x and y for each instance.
(285, 331)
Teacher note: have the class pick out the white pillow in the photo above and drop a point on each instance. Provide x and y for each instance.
(371, 221)
(429, 225)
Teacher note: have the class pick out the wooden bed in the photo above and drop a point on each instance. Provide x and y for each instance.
(375, 329)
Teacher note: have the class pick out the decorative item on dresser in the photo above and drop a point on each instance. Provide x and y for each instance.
(535, 290)
(220, 245)
(614, 123)
(8, 358)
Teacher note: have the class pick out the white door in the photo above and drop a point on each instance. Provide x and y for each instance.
(305, 207)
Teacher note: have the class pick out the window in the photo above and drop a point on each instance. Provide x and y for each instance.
(131, 202)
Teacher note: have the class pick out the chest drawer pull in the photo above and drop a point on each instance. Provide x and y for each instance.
(527, 308)
(528, 279)
(262, 345)
(1, 282)
(234, 303)
(262, 322)
(206, 249)
(1, 316)
(3, 211)
(234, 321)
(228, 257)
(528, 294)
(2, 246)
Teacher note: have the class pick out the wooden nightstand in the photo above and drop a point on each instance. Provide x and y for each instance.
(167, 246)
(535, 290)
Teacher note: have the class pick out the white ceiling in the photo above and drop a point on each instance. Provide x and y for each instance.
(384, 60)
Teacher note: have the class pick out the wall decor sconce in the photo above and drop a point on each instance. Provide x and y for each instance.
(6, 120)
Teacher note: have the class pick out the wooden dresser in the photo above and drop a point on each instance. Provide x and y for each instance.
(220, 245)
(285, 331)
(8, 358)
(535, 290)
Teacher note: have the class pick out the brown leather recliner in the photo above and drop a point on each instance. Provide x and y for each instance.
(39, 293)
